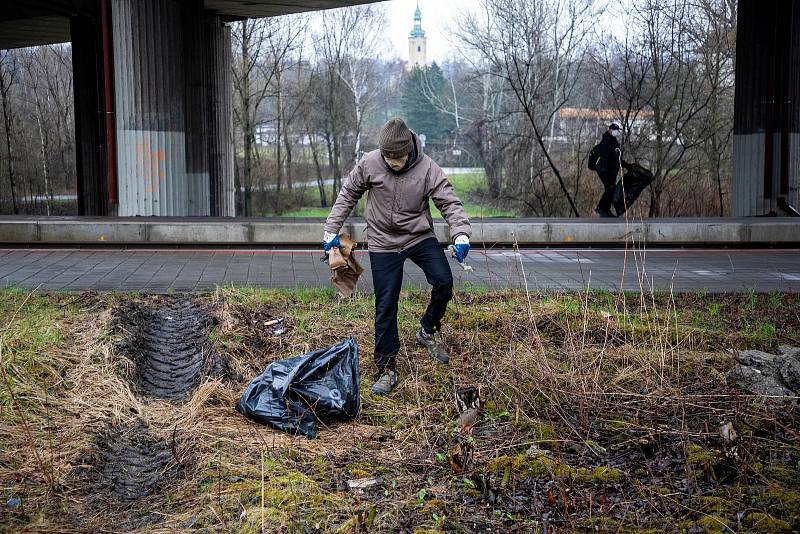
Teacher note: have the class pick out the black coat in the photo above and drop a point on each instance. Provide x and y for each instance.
(610, 154)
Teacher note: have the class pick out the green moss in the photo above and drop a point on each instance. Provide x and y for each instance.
(658, 490)
(711, 503)
(543, 431)
(695, 455)
(785, 475)
(290, 500)
(713, 523)
(604, 475)
(620, 424)
(761, 522)
(435, 505)
(494, 411)
(783, 504)
(363, 469)
(603, 524)
(609, 524)
(525, 466)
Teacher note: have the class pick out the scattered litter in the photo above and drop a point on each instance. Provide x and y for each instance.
(13, 502)
(294, 394)
(363, 483)
(534, 452)
(468, 404)
(461, 455)
(345, 269)
(463, 264)
(278, 326)
(727, 432)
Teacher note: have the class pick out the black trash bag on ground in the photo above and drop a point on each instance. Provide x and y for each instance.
(294, 394)
(635, 179)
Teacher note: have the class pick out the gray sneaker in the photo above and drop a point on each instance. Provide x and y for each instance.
(433, 343)
(386, 383)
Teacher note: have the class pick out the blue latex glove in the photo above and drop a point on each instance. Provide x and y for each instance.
(461, 246)
(330, 242)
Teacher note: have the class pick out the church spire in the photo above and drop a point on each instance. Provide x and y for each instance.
(417, 31)
(417, 43)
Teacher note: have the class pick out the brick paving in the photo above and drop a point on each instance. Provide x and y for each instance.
(182, 270)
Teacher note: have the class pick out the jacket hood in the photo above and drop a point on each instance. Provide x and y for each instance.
(607, 136)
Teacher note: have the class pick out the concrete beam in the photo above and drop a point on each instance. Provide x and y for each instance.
(188, 231)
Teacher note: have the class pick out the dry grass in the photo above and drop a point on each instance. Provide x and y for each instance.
(591, 379)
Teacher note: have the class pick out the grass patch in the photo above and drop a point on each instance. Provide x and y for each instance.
(469, 187)
(590, 400)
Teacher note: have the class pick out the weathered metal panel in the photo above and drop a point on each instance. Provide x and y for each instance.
(766, 107)
(161, 172)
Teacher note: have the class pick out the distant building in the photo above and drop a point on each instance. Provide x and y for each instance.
(416, 43)
(584, 122)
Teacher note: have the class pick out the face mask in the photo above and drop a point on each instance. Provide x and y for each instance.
(396, 164)
(615, 133)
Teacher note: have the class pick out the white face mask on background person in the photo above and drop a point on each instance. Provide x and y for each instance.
(615, 133)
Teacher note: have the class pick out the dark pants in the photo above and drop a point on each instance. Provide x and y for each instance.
(387, 277)
(609, 183)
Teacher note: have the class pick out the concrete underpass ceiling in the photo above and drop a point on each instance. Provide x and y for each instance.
(34, 31)
(271, 8)
(40, 22)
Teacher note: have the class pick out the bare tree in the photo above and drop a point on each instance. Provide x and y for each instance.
(536, 48)
(251, 85)
(37, 71)
(712, 29)
(284, 53)
(361, 51)
(8, 74)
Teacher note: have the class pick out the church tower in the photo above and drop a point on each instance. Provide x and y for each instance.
(416, 43)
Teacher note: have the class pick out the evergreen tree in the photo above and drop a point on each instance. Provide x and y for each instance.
(421, 88)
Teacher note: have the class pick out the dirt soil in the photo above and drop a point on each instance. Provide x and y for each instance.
(597, 412)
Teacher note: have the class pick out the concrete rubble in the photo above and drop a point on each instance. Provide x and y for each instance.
(771, 375)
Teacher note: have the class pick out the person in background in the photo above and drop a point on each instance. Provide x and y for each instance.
(400, 180)
(607, 167)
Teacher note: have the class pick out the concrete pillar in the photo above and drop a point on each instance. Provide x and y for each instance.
(195, 59)
(220, 117)
(766, 141)
(160, 108)
(89, 138)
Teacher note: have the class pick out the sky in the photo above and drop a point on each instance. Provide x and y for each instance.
(437, 17)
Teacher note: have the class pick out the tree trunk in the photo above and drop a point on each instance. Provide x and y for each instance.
(323, 201)
(44, 157)
(4, 88)
(278, 131)
(247, 126)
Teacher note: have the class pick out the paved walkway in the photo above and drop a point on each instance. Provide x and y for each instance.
(717, 270)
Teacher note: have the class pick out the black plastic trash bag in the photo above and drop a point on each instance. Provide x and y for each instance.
(294, 394)
(634, 180)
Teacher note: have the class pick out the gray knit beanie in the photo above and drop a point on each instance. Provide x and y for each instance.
(395, 140)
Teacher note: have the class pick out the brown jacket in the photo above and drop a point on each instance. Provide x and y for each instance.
(398, 215)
